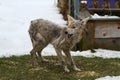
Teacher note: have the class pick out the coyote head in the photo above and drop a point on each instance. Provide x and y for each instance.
(78, 24)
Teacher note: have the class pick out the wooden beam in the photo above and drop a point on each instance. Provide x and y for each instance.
(69, 4)
(76, 8)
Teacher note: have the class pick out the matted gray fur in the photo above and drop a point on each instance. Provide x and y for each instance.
(43, 32)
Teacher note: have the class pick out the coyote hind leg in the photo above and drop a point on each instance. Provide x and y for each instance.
(42, 44)
(33, 55)
(40, 54)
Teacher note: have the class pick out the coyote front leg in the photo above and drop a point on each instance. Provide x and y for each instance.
(67, 53)
(61, 59)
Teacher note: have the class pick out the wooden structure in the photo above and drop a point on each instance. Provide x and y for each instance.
(102, 7)
(102, 33)
(112, 4)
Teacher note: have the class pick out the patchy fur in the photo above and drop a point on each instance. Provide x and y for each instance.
(43, 32)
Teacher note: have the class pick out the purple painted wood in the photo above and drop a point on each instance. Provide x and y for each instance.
(89, 3)
(112, 3)
(100, 3)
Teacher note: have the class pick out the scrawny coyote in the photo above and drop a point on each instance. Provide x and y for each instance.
(43, 32)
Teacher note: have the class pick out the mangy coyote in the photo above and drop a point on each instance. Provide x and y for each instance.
(43, 32)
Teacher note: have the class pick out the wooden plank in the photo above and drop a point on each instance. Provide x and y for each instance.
(69, 5)
(104, 10)
(88, 39)
(107, 30)
(107, 43)
(76, 9)
(112, 42)
(105, 19)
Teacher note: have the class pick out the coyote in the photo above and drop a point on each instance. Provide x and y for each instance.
(43, 32)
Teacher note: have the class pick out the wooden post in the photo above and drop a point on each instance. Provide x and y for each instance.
(69, 5)
(76, 8)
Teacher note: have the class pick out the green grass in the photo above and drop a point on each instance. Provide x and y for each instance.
(19, 68)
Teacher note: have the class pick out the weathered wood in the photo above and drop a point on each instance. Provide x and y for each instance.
(63, 5)
(107, 43)
(103, 33)
(88, 37)
(107, 29)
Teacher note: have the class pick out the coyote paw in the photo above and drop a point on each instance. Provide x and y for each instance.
(77, 69)
(45, 60)
(34, 64)
(67, 70)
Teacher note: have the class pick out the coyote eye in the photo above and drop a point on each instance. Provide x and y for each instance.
(73, 27)
(66, 32)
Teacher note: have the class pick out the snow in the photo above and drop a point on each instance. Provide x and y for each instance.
(99, 53)
(83, 1)
(15, 17)
(109, 78)
(96, 16)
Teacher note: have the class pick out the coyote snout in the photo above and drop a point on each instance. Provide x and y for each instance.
(43, 32)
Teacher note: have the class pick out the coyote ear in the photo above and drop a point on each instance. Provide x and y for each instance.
(70, 19)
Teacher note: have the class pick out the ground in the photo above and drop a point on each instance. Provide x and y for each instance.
(19, 68)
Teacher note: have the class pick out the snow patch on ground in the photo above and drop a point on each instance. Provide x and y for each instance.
(109, 78)
(48, 51)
